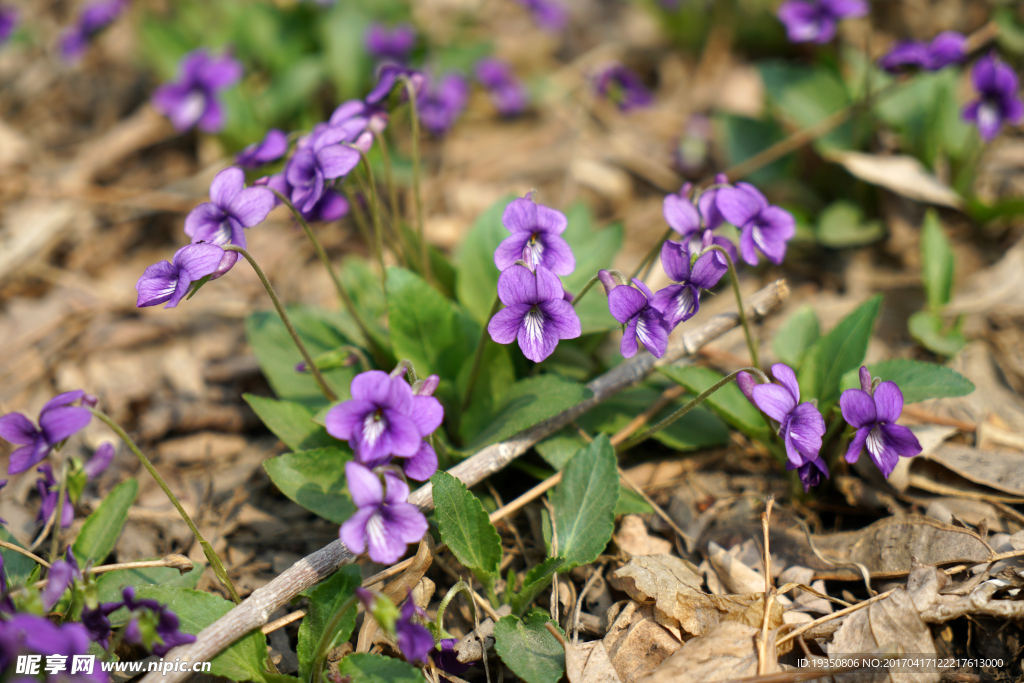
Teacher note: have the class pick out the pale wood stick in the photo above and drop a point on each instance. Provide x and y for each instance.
(255, 610)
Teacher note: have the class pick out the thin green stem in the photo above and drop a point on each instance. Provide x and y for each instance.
(652, 254)
(751, 345)
(360, 217)
(389, 178)
(321, 382)
(586, 288)
(700, 398)
(211, 556)
(324, 647)
(378, 228)
(478, 356)
(417, 196)
(58, 512)
(460, 587)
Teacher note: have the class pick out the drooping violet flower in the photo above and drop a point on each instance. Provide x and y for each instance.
(763, 227)
(383, 418)
(447, 658)
(998, 102)
(273, 146)
(507, 92)
(390, 74)
(392, 44)
(815, 20)
(58, 420)
(535, 313)
(97, 622)
(324, 157)
(169, 281)
(441, 102)
(193, 99)
(99, 462)
(874, 415)
(638, 310)
(949, 47)
(49, 491)
(385, 522)
(58, 578)
(153, 625)
(622, 87)
(696, 224)
(8, 22)
(232, 207)
(536, 237)
(374, 117)
(330, 207)
(414, 640)
(95, 17)
(549, 15)
(801, 426)
(681, 301)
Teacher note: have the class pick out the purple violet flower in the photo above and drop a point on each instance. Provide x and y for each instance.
(638, 309)
(393, 45)
(98, 463)
(273, 146)
(330, 207)
(622, 87)
(535, 312)
(998, 102)
(549, 15)
(801, 426)
(874, 415)
(387, 76)
(49, 491)
(949, 47)
(385, 522)
(192, 100)
(58, 420)
(763, 227)
(31, 634)
(441, 102)
(324, 156)
(60, 575)
(232, 207)
(8, 22)
(383, 418)
(697, 223)
(170, 280)
(160, 618)
(815, 20)
(414, 640)
(507, 92)
(448, 659)
(681, 301)
(95, 17)
(536, 237)
(97, 622)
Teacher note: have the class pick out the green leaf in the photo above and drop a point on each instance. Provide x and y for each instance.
(529, 402)
(931, 332)
(796, 336)
(110, 585)
(291, 422)
(476, 281)
(728, 402)
(917, 380)
(630, 503)
(535, 581)
(584, 503)
(325, 599)
(594, 248)
(426, 328)
(465, 527)
(842, 225)
(495, 377)
(558, 448)
(838, 352)
(102, 527)
(529, 649)
(744, 137)
(315, 480)
(320, 331)
(244, 660)
(17, 566)
(936, 262)
(805, 95)
(369, 668)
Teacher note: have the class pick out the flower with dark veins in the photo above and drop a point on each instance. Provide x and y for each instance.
(536, 312)
(536, 238)
(58, 420)
(638, 309)
(379, 421)
(696, 224)
(763, 227)
(169, 281)
(998, 102)
(193, 99)
(385, 522)
(681, 301)
(816, 20)
(873, 412)
(324, 156)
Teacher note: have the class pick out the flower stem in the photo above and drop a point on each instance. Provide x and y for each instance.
(586, 288)
(417, 196)
(478, 356)
(751, 344)
(460, 587)
(326, 390)
(58, 513)
(211, 556)
(378, 228)
(700, 398)
(652, 254)
(328, 637)
(389, 178)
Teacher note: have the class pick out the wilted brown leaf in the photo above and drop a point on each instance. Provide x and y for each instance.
(1002, 469)
(903, 175)
(637, 643)
(634, 539)
(726, 652)
(589, 663)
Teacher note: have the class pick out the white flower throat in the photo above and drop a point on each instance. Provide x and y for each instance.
(533, 322)
(373, 426)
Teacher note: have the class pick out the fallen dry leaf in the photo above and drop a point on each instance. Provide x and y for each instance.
(1002, 469)
(903, 175)
(734, 575)
(636, 643)
(726, 652)
(634, 539)
(589, 663)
